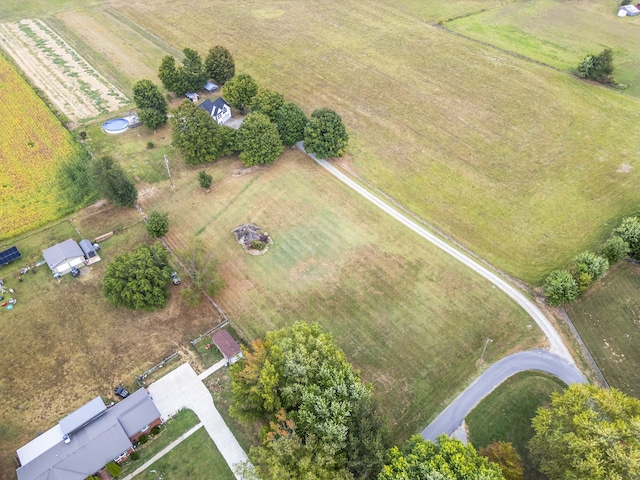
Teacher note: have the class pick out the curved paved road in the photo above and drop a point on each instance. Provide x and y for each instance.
(556, 344)
(452, 416)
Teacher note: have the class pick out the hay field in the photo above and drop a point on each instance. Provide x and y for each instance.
(519, 162)
(33, 143)
(411, 318)
(561, 34)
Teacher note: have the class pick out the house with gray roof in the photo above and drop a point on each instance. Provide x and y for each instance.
(64, 256)
(83, 442)
(219, 110)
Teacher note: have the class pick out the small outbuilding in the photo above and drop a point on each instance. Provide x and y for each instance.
(628, 11)
(219, 110)
(64, 256)
(210, 87)
(229, 348)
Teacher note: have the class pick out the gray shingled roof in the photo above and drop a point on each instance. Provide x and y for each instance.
(57, 254)
(94, 444)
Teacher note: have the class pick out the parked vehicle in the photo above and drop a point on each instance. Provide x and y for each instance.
(175, 279)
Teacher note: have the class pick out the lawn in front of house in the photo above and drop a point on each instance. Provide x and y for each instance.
(197, 457)
(506, 413)
(607, 317)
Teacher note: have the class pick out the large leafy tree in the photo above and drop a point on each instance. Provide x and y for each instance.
(446, 459)
(157, 224)
(138, 280)
(152, 104)
(240, 90)
(507, 458)
(219, 65)
(615, 249)
(597, 67)
(593, 265)
(258, 140)
(325, 134)
(560, 287)
(190, 76)
(169, 76)
(290, 120)
(629, 231)
(201, 266)
(299, 383)
(196, 135)
(267, 102)
(112, 182)
(588, 433)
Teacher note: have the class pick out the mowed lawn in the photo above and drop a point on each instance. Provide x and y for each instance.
(561, 34)
(410, 317)
(607, 317)
(518, 161)
(505, 414)
(63, 344)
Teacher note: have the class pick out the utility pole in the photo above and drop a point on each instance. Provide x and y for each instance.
(166, 163)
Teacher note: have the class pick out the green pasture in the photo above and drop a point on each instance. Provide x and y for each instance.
(196, 457)
(410, 317)
(607, 317)
(561, 34)
(519, 162)
(506, 413)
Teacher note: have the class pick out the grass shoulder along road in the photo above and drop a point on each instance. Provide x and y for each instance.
(506, 413)
(413, 319)
(607, 317)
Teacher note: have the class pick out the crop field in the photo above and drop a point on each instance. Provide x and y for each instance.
(411, 318)
(67, 79)
(607, 317)
(63, 344)
(521, 163)
(561, 34)
(32, 146)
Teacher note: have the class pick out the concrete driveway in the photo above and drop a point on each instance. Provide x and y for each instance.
(182, 388)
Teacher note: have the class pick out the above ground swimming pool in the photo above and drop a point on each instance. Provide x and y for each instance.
(115, 125)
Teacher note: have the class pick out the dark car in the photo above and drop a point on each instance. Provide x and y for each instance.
(121, 391)
(75, 272)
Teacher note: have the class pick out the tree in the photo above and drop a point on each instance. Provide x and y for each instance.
(299, 384)
(446, 459)
(507, 458)
(615, 249)
(205, 180)
(267, 102)
(588, 433)
(258, 140)
(195, 134)
(75, 179)
(138, 280)
(629, 231)
(240, 90)
(201, 267)
(152, 104)
(560, 288)
(291, 121)
(595, 265)
(168, 74)
(112, 182)
(158, 224)
(219, 65)
(325, 134)
(597, 67)
(193, 71)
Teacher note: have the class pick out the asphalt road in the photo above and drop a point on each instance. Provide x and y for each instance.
(556, 344)
(452, 416)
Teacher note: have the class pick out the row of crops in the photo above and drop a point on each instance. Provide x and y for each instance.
(33, 143)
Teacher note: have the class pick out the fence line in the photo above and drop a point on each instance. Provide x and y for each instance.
(585, 350)
(209, 332)
(140, 378)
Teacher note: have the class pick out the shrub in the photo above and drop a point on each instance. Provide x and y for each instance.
(142, 439)
(155, 430)
(257, 245)
(114, 469)
(560, 288)
(150, 145)
(134, 456)
(204, 179)
(615, 249)
(158, 224)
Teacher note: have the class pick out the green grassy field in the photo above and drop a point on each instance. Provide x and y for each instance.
(561, 34)
(506, 413)
(607, 317)
(196, 457)
(518, 161)
(411, 318)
